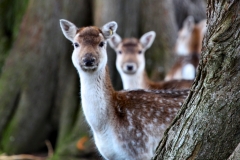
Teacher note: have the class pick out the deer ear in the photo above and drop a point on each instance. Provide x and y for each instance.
(69, 29)
(189, 23)
(109, 29)
(114, 41)
(147, 39)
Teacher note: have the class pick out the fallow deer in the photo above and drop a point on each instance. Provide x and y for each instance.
(130, 64)
(190, 37)
(126, 125)
(188, 48)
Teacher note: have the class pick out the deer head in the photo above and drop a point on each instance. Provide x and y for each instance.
(89, 43)
(190, 37)
(130, 61)
(130, 52)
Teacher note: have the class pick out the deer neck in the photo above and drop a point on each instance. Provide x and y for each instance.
(96, 94)
(139, 80)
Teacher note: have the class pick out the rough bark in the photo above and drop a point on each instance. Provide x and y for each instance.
(207, 127)
(126, 14)
(158, 16)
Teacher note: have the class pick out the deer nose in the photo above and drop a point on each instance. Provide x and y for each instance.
(129, 67)
(89, 60)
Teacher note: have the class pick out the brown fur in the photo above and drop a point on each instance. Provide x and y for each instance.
(138, 109)
(143, 111)
(195, 43)
(89, 35)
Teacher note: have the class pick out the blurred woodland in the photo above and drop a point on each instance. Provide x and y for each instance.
(40, 108)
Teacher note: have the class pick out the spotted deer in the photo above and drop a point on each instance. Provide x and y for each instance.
(188, 48)
(125, 124)
(130, 64)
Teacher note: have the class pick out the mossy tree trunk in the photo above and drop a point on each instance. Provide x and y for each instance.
(207, 127)
(39, 87)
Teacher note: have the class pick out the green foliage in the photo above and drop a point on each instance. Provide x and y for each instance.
(11, 13)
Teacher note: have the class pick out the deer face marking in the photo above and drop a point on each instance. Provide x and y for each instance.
(89, 44)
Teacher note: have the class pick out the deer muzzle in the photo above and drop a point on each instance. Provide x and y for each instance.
(129, 68)
(88, 62)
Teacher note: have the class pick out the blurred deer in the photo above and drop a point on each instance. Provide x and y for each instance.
(188, 48)
(126, 125)
(130, 64)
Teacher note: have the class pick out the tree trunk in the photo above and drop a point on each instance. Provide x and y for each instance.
(39, 89)
(158, 16)
(11, 12)
(207, 127)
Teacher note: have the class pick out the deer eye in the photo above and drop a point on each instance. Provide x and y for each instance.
(139, 52)
(120, 52)
(101, 44)
(76, 45)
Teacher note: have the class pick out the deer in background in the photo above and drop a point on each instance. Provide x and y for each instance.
(130, 64)
(188, 48)
(125, 124)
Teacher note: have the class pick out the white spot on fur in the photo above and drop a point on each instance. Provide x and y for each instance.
(130, 128)
(169, 110)
(162, 109)
(155, 120)
(168, 119)
(133, 142)
(175, 109)
(163, 126)
(129, 113)
(139, 134)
